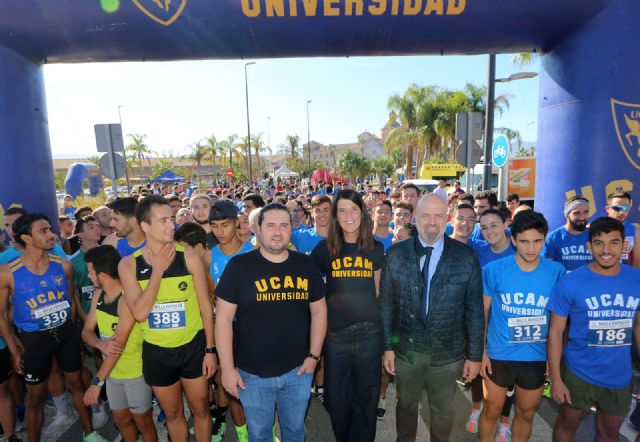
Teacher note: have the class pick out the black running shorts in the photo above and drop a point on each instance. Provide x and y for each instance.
(528, 375)
(163, 366)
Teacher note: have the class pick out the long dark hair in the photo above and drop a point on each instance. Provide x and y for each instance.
(336, 236)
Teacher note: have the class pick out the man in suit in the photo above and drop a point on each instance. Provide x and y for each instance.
(433, 320)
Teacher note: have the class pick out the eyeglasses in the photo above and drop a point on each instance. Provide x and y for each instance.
(620, 208)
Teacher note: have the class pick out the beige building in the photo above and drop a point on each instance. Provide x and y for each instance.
(368, 145)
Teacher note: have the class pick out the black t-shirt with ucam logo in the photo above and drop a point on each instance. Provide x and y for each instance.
(272, 327)
(351, 296)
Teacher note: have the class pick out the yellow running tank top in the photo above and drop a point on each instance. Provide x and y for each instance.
(175, 318)
(129, 365)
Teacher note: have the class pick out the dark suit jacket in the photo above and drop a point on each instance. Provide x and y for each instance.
(455, 323)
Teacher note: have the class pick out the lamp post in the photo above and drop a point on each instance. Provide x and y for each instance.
(269, 144)
(124, 154)
(246, 88)
(309, 140)
(491, 101)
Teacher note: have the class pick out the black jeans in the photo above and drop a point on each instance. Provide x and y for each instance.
(353, 368)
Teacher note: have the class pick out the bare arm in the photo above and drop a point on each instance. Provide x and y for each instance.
(231, 380)
(6, 329)
(88, 330)
(376, 280)
(126, 322)
(318, 325)
(196, 267)
(636, 248)
(554, 355)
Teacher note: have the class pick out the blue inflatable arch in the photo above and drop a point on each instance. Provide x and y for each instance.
(76, 176)
(589, 125)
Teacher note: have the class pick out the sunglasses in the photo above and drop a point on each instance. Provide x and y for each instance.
(621, 208)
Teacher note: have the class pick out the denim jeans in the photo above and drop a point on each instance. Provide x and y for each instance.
(289, 393)
(353, 364)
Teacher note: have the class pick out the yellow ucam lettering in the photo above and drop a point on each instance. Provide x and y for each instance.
(274, 8)
(293, 8)
(412, 7)
(368, 264)
(434, 6)
(379, 9)
(331, 9)
(302, 284)
(347, 261)
(251, 8)
(274, 281)
(357, 263)
(32, 303)
(310, 7)
(288, 282)
(336, 264)
(261, 285)
(42, 298)
(351, 4)
(456, 7)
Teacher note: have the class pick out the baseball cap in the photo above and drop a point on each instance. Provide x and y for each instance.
(223, 209)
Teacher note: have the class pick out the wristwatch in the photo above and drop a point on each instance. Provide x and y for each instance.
(314, 357)
(96, 381)
(211, 350)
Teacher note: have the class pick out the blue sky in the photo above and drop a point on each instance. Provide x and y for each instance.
(177, 103)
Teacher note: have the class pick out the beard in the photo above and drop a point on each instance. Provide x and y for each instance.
(578, 227)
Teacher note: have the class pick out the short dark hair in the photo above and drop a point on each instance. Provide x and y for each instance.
(402, 204)
(513, 197)
(466, 197)
(173, 197)
(528, 220)
(605, 224)
(271, 207)
(386, 203)
(23, 225)
(488, 195)
(463, 206)
(16, 211)
(409, 186)
(79, 227)
(81, 209)
(104, 259)
(191, 233)
(124, 206)
(320, 199)
(619, 194)
(496, 212)
(143, 209)
(256, 199)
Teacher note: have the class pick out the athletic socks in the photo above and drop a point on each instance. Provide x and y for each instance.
(243, 434)
(221, 413)
(62, 404)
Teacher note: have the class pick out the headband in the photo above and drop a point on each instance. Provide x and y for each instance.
(573, 204)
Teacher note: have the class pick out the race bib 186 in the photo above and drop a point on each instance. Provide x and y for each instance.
(167, 316)
(528, 329)
(52, 316)
(610, 333)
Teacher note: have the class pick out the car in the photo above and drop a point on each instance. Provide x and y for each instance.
(428, 185)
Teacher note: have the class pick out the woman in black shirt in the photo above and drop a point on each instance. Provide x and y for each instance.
(351, 260)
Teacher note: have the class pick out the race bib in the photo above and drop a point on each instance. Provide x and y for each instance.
(610, 333)
(528, 329)
(53, 315)
(627, 248)
(167, 316)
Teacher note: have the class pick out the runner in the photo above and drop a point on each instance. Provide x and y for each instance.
(166, 290)
(200, 205)
(618, 207)
(410, 193)
(351, 260)
(121, 343)
(270, 327)
(493, 225)
(600, 301)
(402, 213)
(381, 220)
(38, 285)
(128, 236)
(568, 244)
(463, 220)
(15, 249)
(305, 240)
(516, 292)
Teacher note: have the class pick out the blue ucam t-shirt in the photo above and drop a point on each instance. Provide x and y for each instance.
(601, 311)
(305, 240)
(386, 242)
(486, 255)
(568, 249)
(518, 319)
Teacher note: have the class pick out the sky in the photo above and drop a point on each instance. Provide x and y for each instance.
(176, 104)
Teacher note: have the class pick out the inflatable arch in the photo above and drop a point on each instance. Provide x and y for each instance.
(589, 125)
(76, 175)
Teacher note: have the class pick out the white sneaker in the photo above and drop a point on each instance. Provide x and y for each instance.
(99, 418)
(504, 433)
(472, 422)
(59, 422)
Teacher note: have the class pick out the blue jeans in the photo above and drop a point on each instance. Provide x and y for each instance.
(289, 393)
(352, 374)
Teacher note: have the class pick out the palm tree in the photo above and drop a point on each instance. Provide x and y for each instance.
(212, 147)
(512, 135)
(197, 152)
(292, 142)
(522, 59)
(229, 145)
(94, 159)
(331, 148)
(258, 145)
(139, 149)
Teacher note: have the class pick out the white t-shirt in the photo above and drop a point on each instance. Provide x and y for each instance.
(441, 193)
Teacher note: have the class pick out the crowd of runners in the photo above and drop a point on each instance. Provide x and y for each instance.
(246, 299)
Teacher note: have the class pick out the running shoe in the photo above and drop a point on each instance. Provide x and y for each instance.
(99, 418)
(60, 421)
(381, 408)
(634, 417)
(93, 437)
(472, 422)
(218, 430)
(504, 433)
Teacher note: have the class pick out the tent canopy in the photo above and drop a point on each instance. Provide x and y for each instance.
(168, 177)
(284, 172)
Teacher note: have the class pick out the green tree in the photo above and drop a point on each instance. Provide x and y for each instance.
(94, 159)
(523, 59)
(229, 146)
(293, 142)
(197, 152)
(331, 148)
(512, 135)
(382, 166)
(139, 149)
(213, 148)
(161, 167)
(353, 164)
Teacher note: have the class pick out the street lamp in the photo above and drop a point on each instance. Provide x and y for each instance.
(309, 140)
(246, 88)
(124, 154)
(491, 101)
(269, 143)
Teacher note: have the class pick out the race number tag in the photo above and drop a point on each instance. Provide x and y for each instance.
(610, 333)
(53, 315)
(528, 329)
(167, 316)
